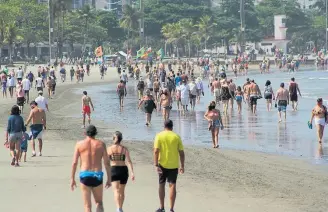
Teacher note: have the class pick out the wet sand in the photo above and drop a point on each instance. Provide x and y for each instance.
(242, 132)
(225, 179)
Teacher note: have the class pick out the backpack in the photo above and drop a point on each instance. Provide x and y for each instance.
(141, 85)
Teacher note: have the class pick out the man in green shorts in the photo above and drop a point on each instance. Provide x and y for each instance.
(168, 152)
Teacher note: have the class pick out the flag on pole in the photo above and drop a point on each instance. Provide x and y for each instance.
(140, 52)
(160, 54)
(98, 51)
(147, 54)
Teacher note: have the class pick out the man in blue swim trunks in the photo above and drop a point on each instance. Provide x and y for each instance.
(38, 118)
(91, 152)
(282, 97)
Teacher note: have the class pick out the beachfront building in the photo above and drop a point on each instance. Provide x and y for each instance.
(305, 4)
(76, 4)
(279, 40)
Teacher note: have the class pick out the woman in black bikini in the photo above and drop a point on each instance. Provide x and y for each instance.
(121, 163)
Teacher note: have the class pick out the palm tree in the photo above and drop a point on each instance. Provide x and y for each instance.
(58, 8)
(320, 5)
(205, 26)
(196, 39)
(87, 14)
(130, 20)
(11, 35)
(173, 34)
(188, 29)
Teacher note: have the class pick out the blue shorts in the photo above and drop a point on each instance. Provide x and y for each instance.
(282, 108)
(239, 98)
(24, 148)
(91, 178)
(282, 105)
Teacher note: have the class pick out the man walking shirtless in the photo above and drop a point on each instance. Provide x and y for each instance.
(91, 152)
(38, 118)
(86, 103)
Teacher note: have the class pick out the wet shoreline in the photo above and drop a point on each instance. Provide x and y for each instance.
(260, 133)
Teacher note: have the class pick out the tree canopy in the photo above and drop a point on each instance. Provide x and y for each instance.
(178, 23)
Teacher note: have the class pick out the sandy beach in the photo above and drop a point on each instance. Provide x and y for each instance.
(215, 180)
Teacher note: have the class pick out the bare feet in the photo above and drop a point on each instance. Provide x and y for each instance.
(12, 162)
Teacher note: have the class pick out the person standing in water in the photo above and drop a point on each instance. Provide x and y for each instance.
(121, 92)
(232, 89)
(216, 86)
(225, 95)
(148, 104)
(320, 116)
(91, 152)
(141, 88)
(268, 95)
(293, 90)
(193, 94)
(282, 97)
(86, 110)
(213, 116)
(165, 103)
(38, 118)
(200, 88)
(239, 96)
(156, 85)
(121, 163)
(253, 93)
(184, 92)
(168, 152)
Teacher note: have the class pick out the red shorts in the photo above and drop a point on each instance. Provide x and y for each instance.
(86, 110)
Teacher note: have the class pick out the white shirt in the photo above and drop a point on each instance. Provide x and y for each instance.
(184, 90)
(38, 82)
(19, 73)
(193, 88)
(26, 84)
(149, 83)
(124, 77)
(42, 102)
(11, 81)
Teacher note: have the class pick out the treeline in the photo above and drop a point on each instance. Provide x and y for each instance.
(183, 26)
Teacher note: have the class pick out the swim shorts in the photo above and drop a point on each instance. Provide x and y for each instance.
(36, 131)
(168, 175)
(253, 100)
(86, 110)
(282, 105)
(91, 179)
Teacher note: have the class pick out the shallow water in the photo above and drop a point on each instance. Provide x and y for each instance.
(243, 132)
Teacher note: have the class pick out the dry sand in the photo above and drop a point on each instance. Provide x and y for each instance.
(215, 180)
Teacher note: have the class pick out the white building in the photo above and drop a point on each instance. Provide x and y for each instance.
(279, 40)
(305, 4)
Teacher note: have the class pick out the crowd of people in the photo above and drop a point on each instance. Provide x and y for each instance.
(163, 87)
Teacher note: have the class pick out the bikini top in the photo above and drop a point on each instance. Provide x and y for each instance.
(320, 111)
(213, 113)
(117, 156)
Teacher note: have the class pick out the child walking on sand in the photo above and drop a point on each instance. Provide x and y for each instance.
(24, 145)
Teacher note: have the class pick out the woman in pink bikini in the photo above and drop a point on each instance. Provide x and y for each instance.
(214, 118)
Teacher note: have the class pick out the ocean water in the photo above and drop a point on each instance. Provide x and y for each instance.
(243, 132)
